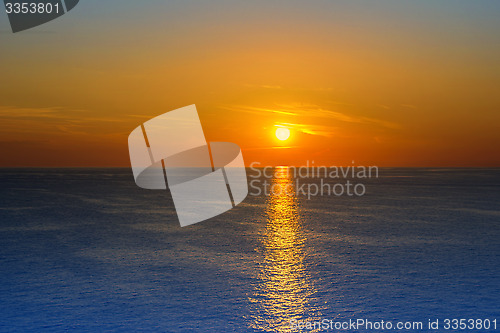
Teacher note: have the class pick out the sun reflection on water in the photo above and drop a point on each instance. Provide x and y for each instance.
(285, 288)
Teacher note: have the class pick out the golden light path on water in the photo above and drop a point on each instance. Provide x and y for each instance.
(285, 288)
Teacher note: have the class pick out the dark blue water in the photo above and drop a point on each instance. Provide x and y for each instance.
(87, 250)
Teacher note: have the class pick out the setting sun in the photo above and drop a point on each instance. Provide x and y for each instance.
(282, 133)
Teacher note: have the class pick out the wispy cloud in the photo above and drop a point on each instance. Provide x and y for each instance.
(263, 86)
(25, 122)
(310, 129)
(259, 110)
(409, 106)
(270, 148)
(310, 111)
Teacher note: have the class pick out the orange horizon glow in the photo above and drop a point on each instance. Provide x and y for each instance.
(371, 84)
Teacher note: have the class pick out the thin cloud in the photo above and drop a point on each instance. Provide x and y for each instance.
(311, 111)
(269, 148)
(310, 129)
(409, 106)
(23, 121)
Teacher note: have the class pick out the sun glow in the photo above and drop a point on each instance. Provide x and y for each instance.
(282, 133)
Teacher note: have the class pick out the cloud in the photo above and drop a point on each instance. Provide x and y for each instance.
(269, 148)
(25, 122)
(311, 129)
(310, 111)
(258, 110)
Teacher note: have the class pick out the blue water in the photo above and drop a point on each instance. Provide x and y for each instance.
(87, 250)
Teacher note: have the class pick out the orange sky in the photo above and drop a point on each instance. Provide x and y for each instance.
(413, 84)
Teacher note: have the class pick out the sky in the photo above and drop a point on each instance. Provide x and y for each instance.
(387, 83)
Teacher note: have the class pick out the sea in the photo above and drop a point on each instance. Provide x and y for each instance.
(86, 250)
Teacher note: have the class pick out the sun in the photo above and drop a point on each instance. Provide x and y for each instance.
(282, 133)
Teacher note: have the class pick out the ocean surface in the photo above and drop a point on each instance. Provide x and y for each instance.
(87, 250)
